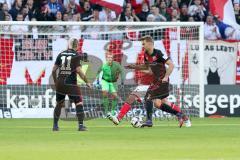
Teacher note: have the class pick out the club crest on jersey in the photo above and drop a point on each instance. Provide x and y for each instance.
(154, 58)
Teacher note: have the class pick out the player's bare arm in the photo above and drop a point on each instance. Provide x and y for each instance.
(54, 74)
(137, 66)
(169, 70)
(83, 76)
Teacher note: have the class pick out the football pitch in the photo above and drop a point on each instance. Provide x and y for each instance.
(207, 139)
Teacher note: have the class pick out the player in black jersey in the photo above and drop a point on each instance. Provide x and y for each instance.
(158, 90)
(68, 66)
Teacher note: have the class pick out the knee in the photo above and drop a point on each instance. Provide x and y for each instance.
(158, 104)
(79, 104)
(114, 96)
(60, 104)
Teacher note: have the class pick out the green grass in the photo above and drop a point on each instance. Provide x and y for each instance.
(32, 139)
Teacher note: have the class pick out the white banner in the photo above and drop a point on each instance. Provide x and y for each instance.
(219, 62)
(35, 70)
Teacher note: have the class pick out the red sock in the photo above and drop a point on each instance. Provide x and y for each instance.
(123, 111)
(175, 107)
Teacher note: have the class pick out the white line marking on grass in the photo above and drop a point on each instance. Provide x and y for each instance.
(121, 126)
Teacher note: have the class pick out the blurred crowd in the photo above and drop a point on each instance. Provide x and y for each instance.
(147, 11)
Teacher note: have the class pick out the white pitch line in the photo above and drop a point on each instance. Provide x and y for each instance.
(126, 126)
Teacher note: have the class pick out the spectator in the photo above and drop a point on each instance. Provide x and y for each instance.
(6, 28)
(187, 2)
(128, 15)
(95, 14)
(232, 33)
(87, 13)
(34, 29)
(163, 10)
(107, 15)
(8, 17)
(2, 15)
(197, 10)
(174, 6)
(19, 28)
(73, 8)
(211, 31)
(175, 15)
(184, 13)
(17, 6)
(191, 19)
(129, 5)
(150, 18)
(9, 3)
(54, 6)
(237, 12)
(43, 13)
(25, 12)
(65, 17)
(75, 30)
(5, 8)
(31, 9)
(226, 31)
(58, 17)
(158, 16)
(144, 13)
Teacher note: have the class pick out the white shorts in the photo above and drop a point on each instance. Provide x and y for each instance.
(140, 91)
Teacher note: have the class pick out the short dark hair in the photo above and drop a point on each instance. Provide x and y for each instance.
(147, 38)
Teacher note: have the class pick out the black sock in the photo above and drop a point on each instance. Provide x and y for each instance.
(80, 114)
(56, 114)
(168, 109)
(149, 109)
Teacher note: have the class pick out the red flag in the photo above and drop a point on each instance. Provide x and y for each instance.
(116, 6)
(224, 9)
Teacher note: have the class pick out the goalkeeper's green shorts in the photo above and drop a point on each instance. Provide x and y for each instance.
(110, 87)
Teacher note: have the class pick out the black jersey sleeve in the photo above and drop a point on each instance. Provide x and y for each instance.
(58, 60)
(161, 57)
(76, 61)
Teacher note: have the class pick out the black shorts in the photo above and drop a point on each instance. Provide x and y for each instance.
(158, 91)
(72, 90)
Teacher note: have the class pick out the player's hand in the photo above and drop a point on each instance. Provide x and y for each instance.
(88, 85)
(130, 66)
(165, 80)
(98, 83)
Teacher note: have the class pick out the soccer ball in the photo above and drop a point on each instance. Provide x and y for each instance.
(136, 122)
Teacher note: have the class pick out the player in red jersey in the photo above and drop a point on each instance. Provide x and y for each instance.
(158, 91)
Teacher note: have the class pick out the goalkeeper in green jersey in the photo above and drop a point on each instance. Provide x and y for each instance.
(110, 74)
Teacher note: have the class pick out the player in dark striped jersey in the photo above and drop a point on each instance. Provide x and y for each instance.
(158, 91)
(68, 66)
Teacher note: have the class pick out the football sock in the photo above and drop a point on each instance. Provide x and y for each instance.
(123, 111)
(149, 109)
(173, 109)
(80, 114)
(105, 104)
(56, 114)
(114, 105)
